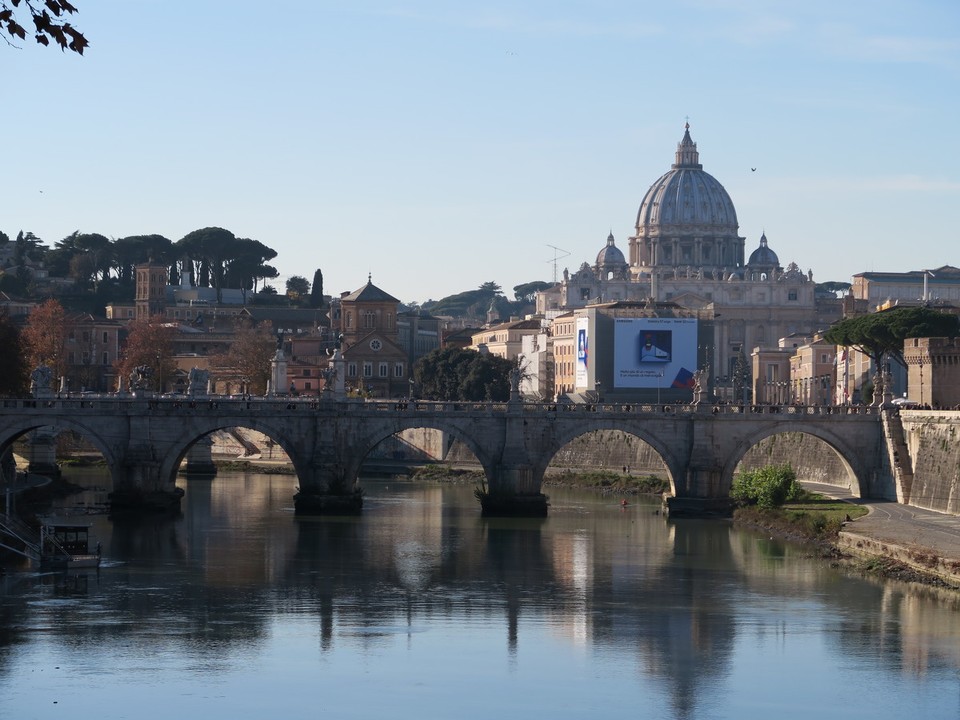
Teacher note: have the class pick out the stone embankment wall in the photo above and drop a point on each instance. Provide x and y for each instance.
(933, 439)
(416, 445)
(811, 458)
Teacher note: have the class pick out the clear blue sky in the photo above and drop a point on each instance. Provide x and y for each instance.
(439, 145)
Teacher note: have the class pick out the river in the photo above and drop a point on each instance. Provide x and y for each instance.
(422, 609)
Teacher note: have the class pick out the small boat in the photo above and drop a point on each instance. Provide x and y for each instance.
(66, 545)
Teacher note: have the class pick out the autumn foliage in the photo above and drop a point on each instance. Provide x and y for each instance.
(149, 343)
(44, 337)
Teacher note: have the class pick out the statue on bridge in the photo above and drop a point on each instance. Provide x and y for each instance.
(140, 377)
(40, 380)
(199, 381)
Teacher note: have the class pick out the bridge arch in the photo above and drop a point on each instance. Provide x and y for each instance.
(362, 444)
(11, 431)
(198, 428)
(847, 456)
(569, 432)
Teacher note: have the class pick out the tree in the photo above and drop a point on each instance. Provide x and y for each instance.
(13, 365)
(45, 337)
(134, 250)
(249, 355)
(833, 286)
(767, 487)
(881, 334)
(297, 287)
(527, 291)
(458, 374)
(316, 292)
(49, 23)
(150, 343)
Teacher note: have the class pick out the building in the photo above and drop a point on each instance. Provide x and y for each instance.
(536, 360)
(418, 332)
(813, 373)
(686, 249)
(376, 364)
(940, 284)
(933, 371)
(562, 331)
(634, 352)
(505, 339)
(92, 352)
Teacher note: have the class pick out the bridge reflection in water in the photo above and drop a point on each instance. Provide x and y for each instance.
(418, 601)
(144, 441)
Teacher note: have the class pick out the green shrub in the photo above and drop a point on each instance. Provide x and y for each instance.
(767, 487)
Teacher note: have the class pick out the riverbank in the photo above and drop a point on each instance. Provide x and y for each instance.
(879, 539)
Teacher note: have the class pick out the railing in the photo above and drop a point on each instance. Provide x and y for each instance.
(241, 404)
(21, 532)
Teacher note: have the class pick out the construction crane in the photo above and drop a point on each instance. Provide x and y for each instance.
(556, 256)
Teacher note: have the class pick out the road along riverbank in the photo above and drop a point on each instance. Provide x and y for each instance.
(899, 540)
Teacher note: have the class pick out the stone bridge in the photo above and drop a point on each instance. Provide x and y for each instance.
(144, 441)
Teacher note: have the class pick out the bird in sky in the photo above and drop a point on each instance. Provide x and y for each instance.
(753, 169)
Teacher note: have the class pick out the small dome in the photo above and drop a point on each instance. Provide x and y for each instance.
(763, 255)
(611, 264)
(610, 255)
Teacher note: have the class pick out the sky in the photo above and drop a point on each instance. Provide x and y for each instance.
(436, 146)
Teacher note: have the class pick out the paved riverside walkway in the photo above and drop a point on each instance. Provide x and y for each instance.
(924, 539)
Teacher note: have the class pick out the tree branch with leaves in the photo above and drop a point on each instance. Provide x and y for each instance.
(50, 23)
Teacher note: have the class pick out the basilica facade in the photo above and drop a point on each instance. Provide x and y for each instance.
(686, 250)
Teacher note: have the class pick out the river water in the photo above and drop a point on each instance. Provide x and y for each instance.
(422, 609)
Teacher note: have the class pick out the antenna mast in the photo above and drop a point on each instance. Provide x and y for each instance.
(556, 256)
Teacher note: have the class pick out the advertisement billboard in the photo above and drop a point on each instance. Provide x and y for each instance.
(583, 353)
(654, 352)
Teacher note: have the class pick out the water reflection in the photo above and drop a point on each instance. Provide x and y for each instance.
(682, 619)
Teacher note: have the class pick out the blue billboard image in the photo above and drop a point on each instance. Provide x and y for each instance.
(654, 352)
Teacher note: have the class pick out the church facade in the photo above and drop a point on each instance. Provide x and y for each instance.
(686, 249)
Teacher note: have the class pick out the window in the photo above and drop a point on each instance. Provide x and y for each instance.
(369, 320)
(351, 369)
(398, 370)
(307, 386)
(384, 370)
(349, 322)
(792, 295)
(368, 369)
(105, 337)
(306, 372)
(106, 359)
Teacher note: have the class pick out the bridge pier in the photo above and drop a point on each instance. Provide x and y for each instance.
(514, 488)
(138, 485)
(326, 490)
(200, 463)
(43, 453)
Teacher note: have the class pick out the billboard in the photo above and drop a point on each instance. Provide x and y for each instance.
(583, 353)
(654, 352)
